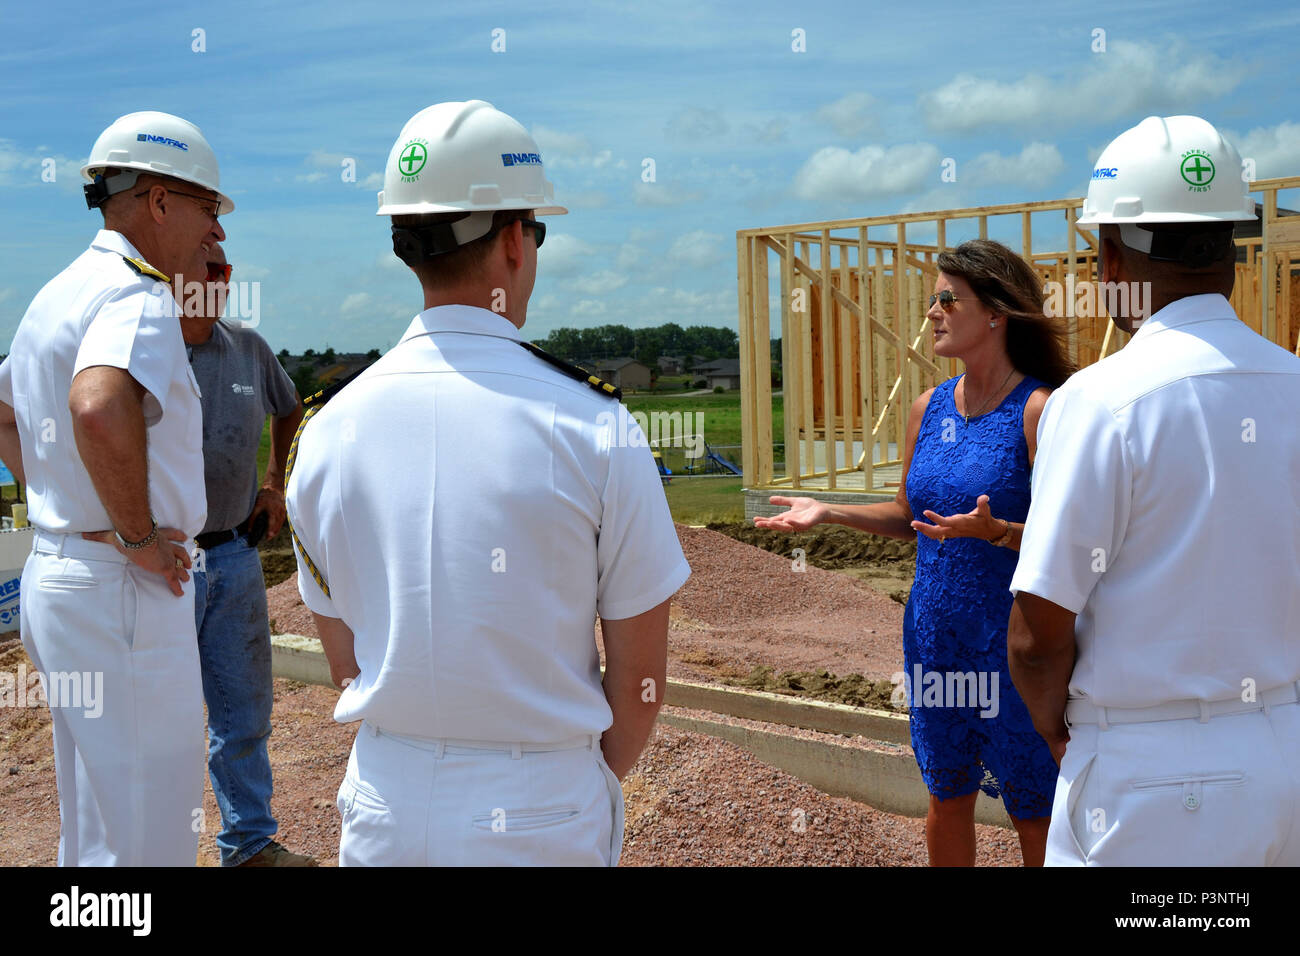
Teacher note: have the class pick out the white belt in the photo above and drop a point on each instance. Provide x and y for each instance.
(75, 546)
(1080, 711)
(440, 745)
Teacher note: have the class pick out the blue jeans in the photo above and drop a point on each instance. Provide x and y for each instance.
(235, 655)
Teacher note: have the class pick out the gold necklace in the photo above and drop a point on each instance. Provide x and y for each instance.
(991, 397)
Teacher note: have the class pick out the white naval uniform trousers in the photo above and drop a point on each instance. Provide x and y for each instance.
(130, 778)
(1166, 516)
(129, 770)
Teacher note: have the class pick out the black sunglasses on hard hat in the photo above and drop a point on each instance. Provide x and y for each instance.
(945, 300)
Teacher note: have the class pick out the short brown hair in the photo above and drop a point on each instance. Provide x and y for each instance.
(452, 267)
(1005, 283)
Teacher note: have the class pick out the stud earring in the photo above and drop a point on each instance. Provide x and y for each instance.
(993, 325)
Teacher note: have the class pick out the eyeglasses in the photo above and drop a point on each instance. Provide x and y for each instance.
(219, 272)
(539, 229)
(214, 212)
(945, 300)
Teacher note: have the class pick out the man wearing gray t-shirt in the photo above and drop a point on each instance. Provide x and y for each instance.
(242, 382)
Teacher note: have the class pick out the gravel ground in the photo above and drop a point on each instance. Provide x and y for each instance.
(691, 799)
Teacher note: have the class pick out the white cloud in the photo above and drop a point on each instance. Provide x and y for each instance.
(689, 307)
(967, 102)
(661, 194)
(834, 173)
(560, 143)
(373, 181)
(699, 248)
(592, 199)
(773, 131)
(564, 254)
(1037, 165)
(1129, 79)
(356, 304)
(628, 256)
(852, 115)
(6, 294)
(696, 123)
(1275, 149)
(250, 272)
(589, 307)
(25, 167)
(598, 283)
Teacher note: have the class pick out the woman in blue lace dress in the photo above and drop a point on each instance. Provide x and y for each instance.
(964, 497)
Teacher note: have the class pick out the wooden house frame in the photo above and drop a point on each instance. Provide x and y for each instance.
(856, 347)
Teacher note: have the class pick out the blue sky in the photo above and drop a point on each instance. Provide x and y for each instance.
(744, 131)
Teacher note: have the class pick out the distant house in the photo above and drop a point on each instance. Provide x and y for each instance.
(724, 372)
(624, 372)
(670, 364)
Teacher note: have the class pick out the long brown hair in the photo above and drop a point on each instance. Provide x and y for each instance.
(1004, 282)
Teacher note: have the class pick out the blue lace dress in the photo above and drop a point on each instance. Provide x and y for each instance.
(970, 728)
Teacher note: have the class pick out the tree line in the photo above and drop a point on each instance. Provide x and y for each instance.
(644, 345)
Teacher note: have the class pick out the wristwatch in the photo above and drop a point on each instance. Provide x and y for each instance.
(1005, 539)
(144, 542)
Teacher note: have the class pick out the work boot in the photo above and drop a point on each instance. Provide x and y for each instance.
(275, 855)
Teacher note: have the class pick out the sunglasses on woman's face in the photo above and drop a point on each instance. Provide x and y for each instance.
(945, 300)
(219, 272)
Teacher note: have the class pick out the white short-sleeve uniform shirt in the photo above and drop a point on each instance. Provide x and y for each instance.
(472, 510)
(1166, 512)
(99, 311)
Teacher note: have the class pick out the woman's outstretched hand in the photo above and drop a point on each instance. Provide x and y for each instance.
(803, 514)
(979, 523)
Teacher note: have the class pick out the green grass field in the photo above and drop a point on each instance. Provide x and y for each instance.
(702, 500)
(721, 413)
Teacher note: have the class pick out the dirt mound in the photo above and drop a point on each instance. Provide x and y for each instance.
(832, 547)
(852, 689)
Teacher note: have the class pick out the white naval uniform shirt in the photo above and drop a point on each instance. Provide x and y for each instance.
(472, 510)
(1166, 512)
(99, 311)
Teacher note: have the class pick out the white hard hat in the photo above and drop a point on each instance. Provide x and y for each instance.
(465, 157)
(1168, 169)
(151, 142)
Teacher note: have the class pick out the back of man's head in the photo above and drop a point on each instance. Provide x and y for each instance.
(465, 264)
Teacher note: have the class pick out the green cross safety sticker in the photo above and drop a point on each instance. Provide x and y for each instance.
(1197, 169)
(412, 158)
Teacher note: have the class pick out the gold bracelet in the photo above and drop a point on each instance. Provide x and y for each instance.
(1005, 539)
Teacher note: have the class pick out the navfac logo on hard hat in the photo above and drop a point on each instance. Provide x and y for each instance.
(1102, 172)
(165, 140)
(521, 159)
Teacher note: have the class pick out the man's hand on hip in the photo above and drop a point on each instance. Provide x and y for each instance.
(163, 557)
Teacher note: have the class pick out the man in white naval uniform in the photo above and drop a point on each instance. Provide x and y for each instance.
(100, 399)
(464, 510)
(1157, 616)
